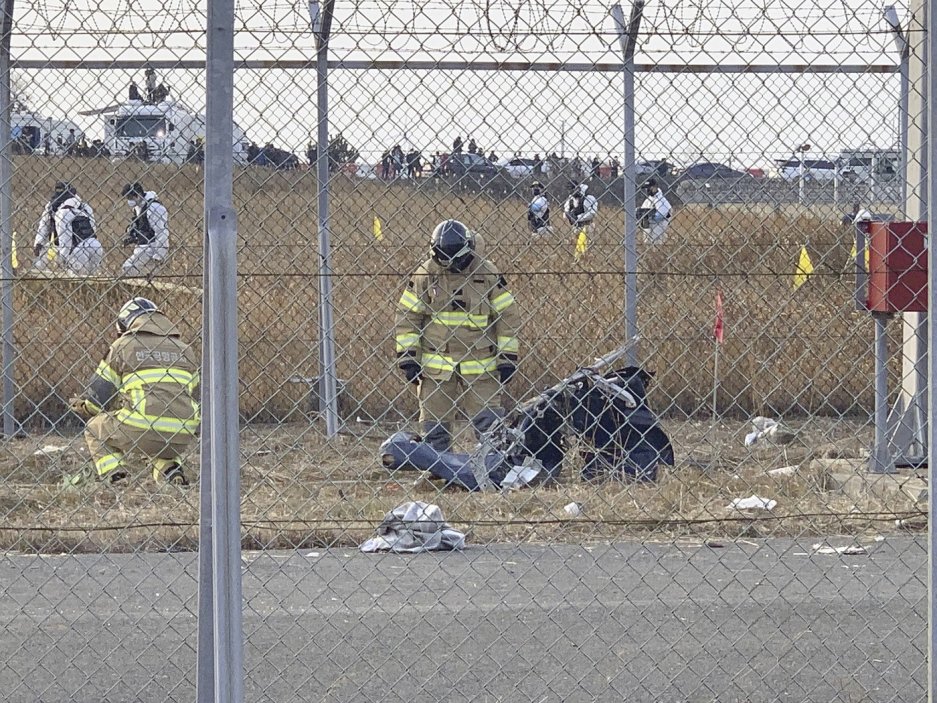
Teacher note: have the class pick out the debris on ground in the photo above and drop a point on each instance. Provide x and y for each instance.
(573, 509)
(49, 450)
(414, 527)
(783, 471)
(848, 549)
(753, 503)
(765, 428)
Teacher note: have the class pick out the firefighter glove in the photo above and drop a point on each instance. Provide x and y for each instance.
(37, 250)
(79, 406)
(411, 369)
(506, 369)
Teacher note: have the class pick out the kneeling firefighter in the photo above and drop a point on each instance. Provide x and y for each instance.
(456, 334)
(142, 396)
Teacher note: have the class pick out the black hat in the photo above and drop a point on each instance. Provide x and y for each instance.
(132, 189)
(651, 183)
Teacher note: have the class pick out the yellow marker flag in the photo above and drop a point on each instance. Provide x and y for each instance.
(378, 234)
(804, 268)
(14, 261)
(855, 255)
(51, 252)
(582, 243)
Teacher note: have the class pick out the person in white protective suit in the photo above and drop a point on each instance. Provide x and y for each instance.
(148, 232)
(66, 236)
(654, 214)
(581, 208)
(538, 212)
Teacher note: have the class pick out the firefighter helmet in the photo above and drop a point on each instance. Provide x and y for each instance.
(131, 310)
(453, 245)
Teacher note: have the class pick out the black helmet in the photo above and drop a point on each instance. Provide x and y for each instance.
(536, 187)
(452, 245)
(651, 183)
(131, 310)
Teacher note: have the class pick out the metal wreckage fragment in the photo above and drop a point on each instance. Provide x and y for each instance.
(607, 410)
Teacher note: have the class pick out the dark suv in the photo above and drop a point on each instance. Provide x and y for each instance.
(461, 164)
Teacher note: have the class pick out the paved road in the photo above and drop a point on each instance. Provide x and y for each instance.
(626, 622)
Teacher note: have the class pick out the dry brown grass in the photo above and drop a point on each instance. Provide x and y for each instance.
(786, 351)
(299, 490)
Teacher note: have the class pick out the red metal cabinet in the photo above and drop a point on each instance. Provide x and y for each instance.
(897, 267)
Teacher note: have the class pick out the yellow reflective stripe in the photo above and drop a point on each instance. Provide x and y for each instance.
(438, 362)
(409, 301)
(503, 301)
(108, 463)
(509, 345)
(91, 405)
(141, 421)
(408, 340)
(471, 367)
(193, 384)
(479, 366)
(460, 319)
(138, 379)
(105, 371)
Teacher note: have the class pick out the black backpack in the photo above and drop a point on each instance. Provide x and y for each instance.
(82, 227)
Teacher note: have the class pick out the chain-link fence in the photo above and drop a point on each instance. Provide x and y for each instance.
(678, 190)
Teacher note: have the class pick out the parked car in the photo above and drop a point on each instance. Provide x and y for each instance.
(819, 170)
(519, 167)
(654, 167)
(461, 164)
(705, 171)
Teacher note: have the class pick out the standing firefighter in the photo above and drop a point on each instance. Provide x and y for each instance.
(456, 335)
(66, 235)
(147, 233)
(150, 376)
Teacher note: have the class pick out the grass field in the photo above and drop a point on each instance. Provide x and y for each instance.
(804, 354)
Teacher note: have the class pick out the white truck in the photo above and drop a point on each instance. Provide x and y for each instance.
(167, 130)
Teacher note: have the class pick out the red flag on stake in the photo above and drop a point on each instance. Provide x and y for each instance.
(720, 327)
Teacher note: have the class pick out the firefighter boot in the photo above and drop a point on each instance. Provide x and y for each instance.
(169, 471)
(437, 435)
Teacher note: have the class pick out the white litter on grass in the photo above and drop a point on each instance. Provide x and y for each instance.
(49, 450)
(783, 471)
(753, 503)
(762, 427)
(845, 549)
(572, 509)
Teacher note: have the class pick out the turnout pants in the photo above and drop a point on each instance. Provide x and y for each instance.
(108, 440)
(479, 397)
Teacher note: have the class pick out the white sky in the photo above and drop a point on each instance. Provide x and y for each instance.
(748, 119)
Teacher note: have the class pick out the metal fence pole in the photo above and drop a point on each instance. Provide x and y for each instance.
(6, 233)
(321, 21)
(930, 106)
(628, 36)
(222, 366)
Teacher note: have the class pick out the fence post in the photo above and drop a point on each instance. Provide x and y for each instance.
(6, 214)
(220, 505)
(628, 37)
(321, 23)
(930, 155)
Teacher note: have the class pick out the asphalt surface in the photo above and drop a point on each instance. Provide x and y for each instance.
(765, 621)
